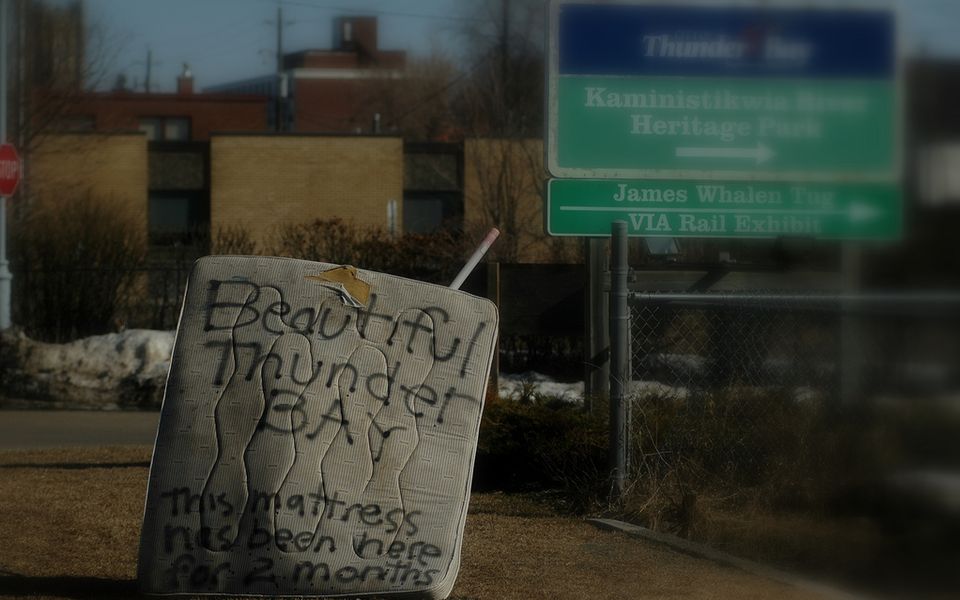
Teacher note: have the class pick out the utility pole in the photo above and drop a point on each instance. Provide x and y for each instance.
(149, 67)
(146, 79)
(278, 105)
(280, 95)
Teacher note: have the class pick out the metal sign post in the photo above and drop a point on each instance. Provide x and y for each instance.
(596, 377)
(5, 276)
(619, 358)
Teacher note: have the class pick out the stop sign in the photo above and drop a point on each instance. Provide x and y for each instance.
(9, 169)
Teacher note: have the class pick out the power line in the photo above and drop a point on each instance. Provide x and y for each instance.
(387, 13)
(189, 33)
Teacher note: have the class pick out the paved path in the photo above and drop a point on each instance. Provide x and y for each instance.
(33, 429)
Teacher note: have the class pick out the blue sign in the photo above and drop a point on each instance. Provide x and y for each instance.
(715, 41)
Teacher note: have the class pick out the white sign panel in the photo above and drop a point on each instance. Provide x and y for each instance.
(318, 433)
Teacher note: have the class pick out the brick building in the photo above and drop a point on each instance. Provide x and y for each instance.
(262, 182)
(212, 163)
(210, 166)
(184, 116)
(175, 129)
(339, 90)
(66, 167)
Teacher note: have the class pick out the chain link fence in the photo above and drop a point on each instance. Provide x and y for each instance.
(768, 390)
(707, 342)
(802, 344)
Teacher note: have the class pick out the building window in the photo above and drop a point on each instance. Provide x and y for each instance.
(152, 128)
(176, 129)
(177, 217)
(426, 212)
(432, 167)
(166, 129)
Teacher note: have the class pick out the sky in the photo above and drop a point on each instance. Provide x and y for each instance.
(227, 40)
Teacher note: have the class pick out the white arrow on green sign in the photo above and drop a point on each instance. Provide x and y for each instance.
(586, 207)
(758, 154)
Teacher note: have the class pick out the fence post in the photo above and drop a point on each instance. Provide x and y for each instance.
(596, 346)
(619, 357)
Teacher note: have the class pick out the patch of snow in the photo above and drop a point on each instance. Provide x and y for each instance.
(655, 388)
(126, 369)
(516, 386)
(104, 360)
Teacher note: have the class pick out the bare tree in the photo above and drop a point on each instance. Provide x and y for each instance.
(504, 187)
(500, 106)
(57, 57)
(415, 104)
(503, 95)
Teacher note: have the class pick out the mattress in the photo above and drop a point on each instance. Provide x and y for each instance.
(317, 434)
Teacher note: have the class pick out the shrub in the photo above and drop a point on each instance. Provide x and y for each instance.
(232, 240)
(537, 442)
(76, 265)
(434, 258)
(747, 446)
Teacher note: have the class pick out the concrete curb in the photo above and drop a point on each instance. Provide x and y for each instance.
(701, 551)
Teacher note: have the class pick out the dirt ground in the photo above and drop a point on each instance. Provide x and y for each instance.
(70, 523)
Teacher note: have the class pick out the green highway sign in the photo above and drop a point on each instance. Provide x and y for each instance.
(694, 119)
(586, 207)
(669, 128)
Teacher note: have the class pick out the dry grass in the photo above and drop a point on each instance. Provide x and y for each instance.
(70, 522)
